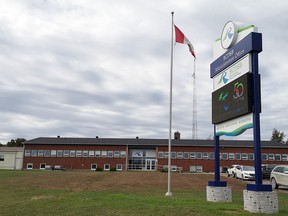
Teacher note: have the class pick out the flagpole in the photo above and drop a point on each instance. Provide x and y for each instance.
(169, 193)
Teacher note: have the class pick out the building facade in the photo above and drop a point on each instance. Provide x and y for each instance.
(11, 157)
(145, 154)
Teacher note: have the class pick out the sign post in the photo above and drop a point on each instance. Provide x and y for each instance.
(236, 107)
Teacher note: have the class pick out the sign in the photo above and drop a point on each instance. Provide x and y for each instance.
(235, 126)
(232, 100)
(229, 35)
(252, 42)
(233, 72)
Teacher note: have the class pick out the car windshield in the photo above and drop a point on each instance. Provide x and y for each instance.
(248, 168)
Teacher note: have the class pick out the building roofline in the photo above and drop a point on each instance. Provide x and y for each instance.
(148, 142)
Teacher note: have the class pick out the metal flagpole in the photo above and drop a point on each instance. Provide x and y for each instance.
(169, 193)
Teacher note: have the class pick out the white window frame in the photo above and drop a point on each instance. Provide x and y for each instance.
(160, 154)
(29, 166)
(123, 154)
(106, 167)
(278, 157)
(43, 167)
(85, 153)
(78, 153)
(244, 156)
(205, 155)
(116, 154)
(271, 157)
(59, 153)
(284, 157)
(91, 167)
(53, 153)
(97, 153)
(192, 155)
(119, 167)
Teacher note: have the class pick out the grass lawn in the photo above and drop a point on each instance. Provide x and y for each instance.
(36, 193)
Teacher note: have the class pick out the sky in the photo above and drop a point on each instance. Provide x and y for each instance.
(102, 67)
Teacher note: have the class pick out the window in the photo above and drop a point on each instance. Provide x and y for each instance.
(192, 168)
(46, 153)
(238, 156)
(264, 157)
(284, 157)
(231, 156)
(106, 166)
(116, 154)
(91, 154)
(205, 155)
(29, 166)
(160, 154)
(186, 155)
(1, 157)
(66, 153)
(97, 153)
(192, 155)
(199, 155)
(60, 153)
(244, 156)
(211, 156)
(93, 166)
(27, 153)
(119, 167)
(104, 154)
(110, 154)
(278, 157)
(179, 155)
(198, 168)
(42, 166)
(251, 156)
(33, 153)
(53, 153)
(72, 153)
(123, 154)
(166, 154)
(271, 157)
(224, 156)
(78, 153)
(85, 153)
(173, 155)
(40, 153)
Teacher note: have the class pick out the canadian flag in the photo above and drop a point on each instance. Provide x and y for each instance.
(181, 38)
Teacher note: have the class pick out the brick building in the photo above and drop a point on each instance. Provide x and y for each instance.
(145, 154)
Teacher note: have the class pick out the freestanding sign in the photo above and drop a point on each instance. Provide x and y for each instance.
(236, 103)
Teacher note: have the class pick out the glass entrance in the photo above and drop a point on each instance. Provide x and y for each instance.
(150, 164)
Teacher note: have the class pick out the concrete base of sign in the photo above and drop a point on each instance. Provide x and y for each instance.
(218, 194)
(261, 201)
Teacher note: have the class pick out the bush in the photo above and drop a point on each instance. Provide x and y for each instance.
(113, 169)
(99, 169)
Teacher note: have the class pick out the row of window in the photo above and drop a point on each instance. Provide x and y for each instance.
(161, 154)
(42, 166)
(75, 153)
(223, 156)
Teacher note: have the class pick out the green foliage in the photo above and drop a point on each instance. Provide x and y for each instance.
(19, 142)
(277, 136)
(99, 169)
(113, 169)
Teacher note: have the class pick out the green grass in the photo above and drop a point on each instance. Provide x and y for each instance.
(17, 199)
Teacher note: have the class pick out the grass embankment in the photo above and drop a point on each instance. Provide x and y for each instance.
(38, 193)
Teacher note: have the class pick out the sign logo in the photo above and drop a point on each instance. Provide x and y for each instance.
(229, 35)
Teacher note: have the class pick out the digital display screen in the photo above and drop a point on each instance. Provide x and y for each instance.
(232, 100)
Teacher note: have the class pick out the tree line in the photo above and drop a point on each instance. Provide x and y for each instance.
(19, 142)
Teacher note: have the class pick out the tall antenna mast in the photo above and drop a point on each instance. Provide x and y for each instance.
(194, 115)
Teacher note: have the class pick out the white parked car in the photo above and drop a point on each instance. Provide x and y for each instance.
(245, 172)
(231, 170)
(279, 176)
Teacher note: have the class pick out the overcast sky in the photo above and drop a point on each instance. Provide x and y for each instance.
(86, 68)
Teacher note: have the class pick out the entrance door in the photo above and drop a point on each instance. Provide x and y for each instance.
(150, 164)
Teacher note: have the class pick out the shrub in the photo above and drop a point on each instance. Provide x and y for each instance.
(113, 169)
(99, 169)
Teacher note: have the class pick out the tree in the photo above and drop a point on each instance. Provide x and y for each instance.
(277, 136)
(16, 143)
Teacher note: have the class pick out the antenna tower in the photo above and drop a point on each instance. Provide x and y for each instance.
(194, 115)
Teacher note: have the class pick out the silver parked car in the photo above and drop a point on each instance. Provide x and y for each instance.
(279, 176)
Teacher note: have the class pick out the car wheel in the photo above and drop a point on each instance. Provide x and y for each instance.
(274, 183)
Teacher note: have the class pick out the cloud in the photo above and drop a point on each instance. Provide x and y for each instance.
(81, 68)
